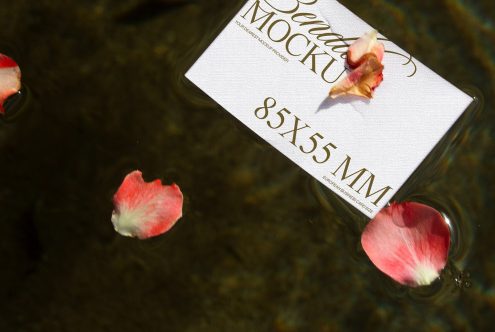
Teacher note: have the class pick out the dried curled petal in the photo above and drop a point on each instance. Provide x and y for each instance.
(364, 45)
(144, 209)
(409, 242)
(10, 79)
(362, 81)
(364, 57)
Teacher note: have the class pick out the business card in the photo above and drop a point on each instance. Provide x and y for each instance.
(273, 66)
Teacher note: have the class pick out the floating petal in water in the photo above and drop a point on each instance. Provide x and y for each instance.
(409, 242)
(10, 79)
(144, 209)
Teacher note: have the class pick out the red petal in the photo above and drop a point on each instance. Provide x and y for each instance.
(409, 242)
(143, 209)
(10, 79)
(368, 43)
(6, 62)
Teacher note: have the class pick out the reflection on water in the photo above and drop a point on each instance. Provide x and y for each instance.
(262, 246)
(16, 105)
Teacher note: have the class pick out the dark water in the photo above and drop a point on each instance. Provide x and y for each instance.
(261, 247)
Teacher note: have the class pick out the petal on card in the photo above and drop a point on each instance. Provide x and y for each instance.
(409, 242)
(368, 43)
(362, 81)
(10, 79)
(144, 209)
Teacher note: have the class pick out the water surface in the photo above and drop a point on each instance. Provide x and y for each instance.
(261, 246)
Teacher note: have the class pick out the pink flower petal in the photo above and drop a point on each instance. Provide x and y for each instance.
(409, 242)
(10, 79)
(362, 81)
(364, 45)
(364, 57)
(144, 209)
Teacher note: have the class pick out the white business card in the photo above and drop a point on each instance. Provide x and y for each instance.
(272, 67)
